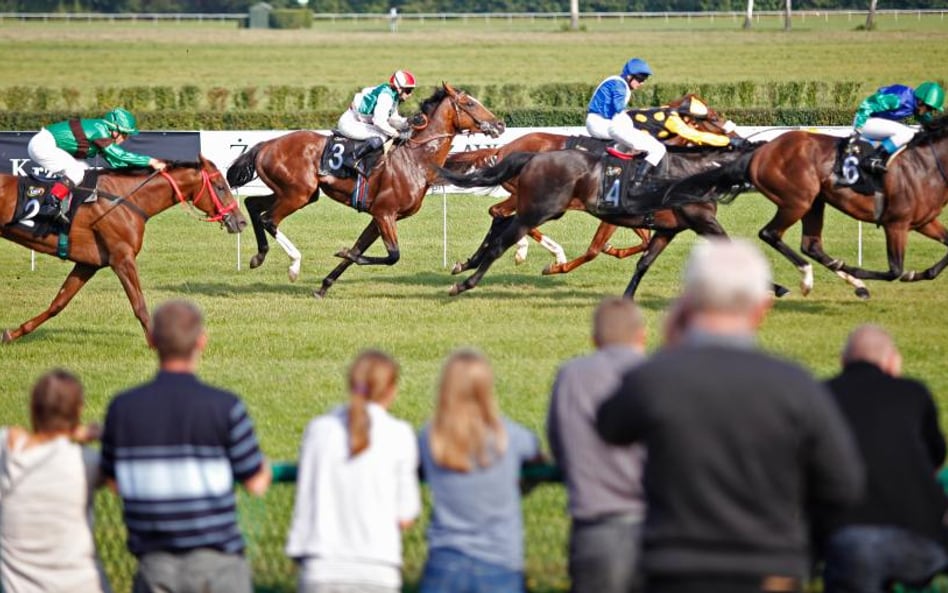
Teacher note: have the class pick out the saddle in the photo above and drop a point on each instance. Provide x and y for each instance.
(587, 144)
(339, 158)
(36, 208)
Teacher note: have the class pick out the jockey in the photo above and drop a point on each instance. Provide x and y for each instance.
(373, 114)
(879, 117)
(61, 148)
(606, 119)
(665, 123)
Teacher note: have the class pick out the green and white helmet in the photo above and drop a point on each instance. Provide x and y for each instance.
(931, 94)
(121, 120)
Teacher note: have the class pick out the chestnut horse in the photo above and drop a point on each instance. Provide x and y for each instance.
(110, 231)
(544, 142)
(550, 183)
(289, 165)
(795, 171)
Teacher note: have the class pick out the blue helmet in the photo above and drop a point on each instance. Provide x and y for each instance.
(636, 66)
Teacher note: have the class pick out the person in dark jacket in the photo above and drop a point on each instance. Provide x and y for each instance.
(896, 532)
(739, 442)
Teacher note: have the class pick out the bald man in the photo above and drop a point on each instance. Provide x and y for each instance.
(896, 532)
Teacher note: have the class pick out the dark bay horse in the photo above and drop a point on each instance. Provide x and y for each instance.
(463, 162)
(289, 165)
(795, 171)
(552, 182)
(110, 231)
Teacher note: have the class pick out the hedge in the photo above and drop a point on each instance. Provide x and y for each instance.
(292, 119)
(721, 96)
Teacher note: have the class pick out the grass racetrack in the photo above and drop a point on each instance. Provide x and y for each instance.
(286, 353)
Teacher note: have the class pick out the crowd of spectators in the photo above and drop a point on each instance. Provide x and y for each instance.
(707, 466)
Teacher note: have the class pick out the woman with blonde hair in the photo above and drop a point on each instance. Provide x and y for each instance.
(471, 456)
(47, 481)
(357, 488)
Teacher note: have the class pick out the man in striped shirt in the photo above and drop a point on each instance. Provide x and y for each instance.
(173, 449)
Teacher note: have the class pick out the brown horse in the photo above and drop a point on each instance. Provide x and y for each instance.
(544, 142)
(551, 182)
(289, 165)
(795, 171)
(110, 231)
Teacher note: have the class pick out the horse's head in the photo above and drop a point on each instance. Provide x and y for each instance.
(696, 112)
(471, 115)
(208, 191)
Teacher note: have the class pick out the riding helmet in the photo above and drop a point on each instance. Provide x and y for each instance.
(636, 66)
(402, 79)
(931, 94)
(121, 120)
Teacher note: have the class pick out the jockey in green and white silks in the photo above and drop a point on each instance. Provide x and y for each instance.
(62, 148)
(880, 115)
(374, 110)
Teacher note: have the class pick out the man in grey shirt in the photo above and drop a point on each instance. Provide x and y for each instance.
(606, 502)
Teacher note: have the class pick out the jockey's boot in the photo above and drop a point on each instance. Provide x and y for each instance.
(62, 191)
(366, 148)
(877, 159)
(644, 167)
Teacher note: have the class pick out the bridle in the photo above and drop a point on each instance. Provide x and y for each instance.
(458, 108)
(206, 187)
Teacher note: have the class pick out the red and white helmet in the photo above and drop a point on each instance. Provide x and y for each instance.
(402, 79)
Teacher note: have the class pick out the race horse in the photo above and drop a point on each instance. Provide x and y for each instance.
(463, 162)
(289, 166)
(796, 172)
(550, 183)
(110, 231)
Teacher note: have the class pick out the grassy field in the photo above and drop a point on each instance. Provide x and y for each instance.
(286, 352)
(349, 54)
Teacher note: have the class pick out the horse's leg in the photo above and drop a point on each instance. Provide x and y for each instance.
(659, 241)
(547, 243)
(933, 230)
(126, 269)
(896, 238)
(365, 240)
(77, 278)
(497, 226)
(256, 206)
(811, 243)
(512, 232)
(603, 234)
(625, 252)
(387, 228)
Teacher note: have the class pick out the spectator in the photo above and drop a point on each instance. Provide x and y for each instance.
(739, 442)
(172, 449)
(606, 501)
(47, 480)
(357, 487)
(472, 456)
(896, 532)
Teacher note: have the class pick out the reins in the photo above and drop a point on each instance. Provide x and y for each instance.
(205, 187)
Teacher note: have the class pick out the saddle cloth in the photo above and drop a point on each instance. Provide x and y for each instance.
(36, 207)
(615, 194)
(337, 159)
(852, 168)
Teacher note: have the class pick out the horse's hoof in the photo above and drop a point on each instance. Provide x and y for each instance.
(863, 293)
(256, 260)
(319, 294)
(455, 290)
(343, 253)
(781, 291)
(458, 268)
(7, 336)
(551, 269)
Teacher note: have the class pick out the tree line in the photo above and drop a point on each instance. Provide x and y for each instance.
(410, 6)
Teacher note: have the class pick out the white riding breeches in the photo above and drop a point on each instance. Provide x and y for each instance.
(598, 126)
(44, 152)
(352, 127)
(624, 132)
(877, 128)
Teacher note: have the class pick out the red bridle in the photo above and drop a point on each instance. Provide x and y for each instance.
(206, 177)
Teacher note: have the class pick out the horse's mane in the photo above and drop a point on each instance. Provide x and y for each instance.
(931, 132)
(431, 103)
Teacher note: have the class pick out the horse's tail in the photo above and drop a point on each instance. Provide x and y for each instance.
(244, 169)
(470, 160)
(494, 175)
(721, 184)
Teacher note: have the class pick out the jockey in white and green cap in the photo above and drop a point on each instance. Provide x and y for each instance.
(62, 148)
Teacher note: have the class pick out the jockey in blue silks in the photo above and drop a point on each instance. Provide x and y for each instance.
(606, 117)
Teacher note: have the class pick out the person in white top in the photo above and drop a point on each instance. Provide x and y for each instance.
(357, 488)
(47, 480)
